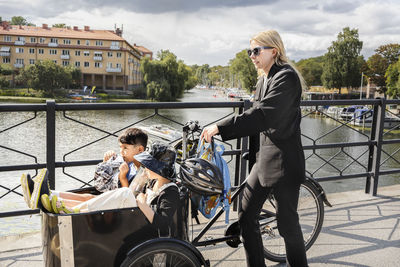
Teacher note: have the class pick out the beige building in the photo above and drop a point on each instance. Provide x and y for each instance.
(106, 60)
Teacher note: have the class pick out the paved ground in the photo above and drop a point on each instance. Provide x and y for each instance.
(359, 230)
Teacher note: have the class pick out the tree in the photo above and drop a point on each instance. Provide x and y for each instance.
(379, 63)
(242, 66)
(311, 69)
(166, 77)
(377, 66)
(393, 80)
(202, 74)
(18, 20)
(59, 25)
(342, 62)
(46, 76)
(390, 52)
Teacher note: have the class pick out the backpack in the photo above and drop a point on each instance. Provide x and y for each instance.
(208, 205)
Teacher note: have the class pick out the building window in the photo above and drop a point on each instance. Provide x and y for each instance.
(19, 50)
(31, 50)
(31, 61)
(55, 61)
(86, 64)
(77, 64)
(109, 54)
(119, 65)
(53, 51)
(114, 43)
(54, 40)
(78, 42)
(77, 53)
(86, 53)
(65, 52)
(7, 38)
(65, 63)
(67, 41)
(6, 60)
(87, 42)
(99, 43)
(119, 54)
(98, 65)
(21, 38)
(109, 65)
(33, 40)
(42, 40)
(40, 50)
(19, 61)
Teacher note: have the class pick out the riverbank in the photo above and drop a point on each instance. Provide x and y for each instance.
(27, 99)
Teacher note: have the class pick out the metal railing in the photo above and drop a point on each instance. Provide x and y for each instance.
(313, 145)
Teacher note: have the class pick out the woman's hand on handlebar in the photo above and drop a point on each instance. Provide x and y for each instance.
(209, 132)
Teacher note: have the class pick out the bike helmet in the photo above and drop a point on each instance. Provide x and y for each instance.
(202, 177)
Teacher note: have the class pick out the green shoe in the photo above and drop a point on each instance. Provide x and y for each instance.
(40, 188)
(27, 185)
(59, 206)
(46, 203)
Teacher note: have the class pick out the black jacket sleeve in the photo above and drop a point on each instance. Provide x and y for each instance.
(167, 204)
(275, 113)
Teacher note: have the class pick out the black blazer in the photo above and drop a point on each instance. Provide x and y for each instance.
(275, 116)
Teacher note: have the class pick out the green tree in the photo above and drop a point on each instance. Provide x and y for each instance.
(390, 52)
(18, 20)
(242, 66)
(379, 63)
(342, 62)
(59, 25)
(377, 66)
(393, 80)
(46, 76)
(202, 74)
(311, 69)
(164, 78)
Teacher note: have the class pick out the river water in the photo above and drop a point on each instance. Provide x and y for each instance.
(29, 138)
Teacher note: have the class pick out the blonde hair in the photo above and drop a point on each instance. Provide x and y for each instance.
(273, 39)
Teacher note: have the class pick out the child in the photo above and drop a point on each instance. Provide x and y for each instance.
(131, 142)
(158, 200)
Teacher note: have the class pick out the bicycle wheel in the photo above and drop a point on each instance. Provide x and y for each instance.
(311, 216)
(162, 254)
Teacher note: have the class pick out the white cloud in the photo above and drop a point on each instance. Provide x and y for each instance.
(213, 31)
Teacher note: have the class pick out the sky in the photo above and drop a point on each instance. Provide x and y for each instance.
(213, 31)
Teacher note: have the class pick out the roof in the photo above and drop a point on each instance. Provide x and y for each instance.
(142, 49)
(60, 33)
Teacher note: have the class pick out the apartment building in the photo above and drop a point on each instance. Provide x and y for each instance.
(106, 60)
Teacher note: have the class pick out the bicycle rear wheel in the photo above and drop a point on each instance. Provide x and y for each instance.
(311, 215)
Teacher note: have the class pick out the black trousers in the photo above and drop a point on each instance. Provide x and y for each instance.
(253, 198)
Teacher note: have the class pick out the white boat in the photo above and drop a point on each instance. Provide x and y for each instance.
(163, 131)
(348, 113)
(363, 117)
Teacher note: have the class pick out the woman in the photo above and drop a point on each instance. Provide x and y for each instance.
(280, 163)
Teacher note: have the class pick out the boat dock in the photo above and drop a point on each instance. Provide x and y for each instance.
(359, 230)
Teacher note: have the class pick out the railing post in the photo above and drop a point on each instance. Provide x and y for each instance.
(241, 163)
(374, 160)
(51, 141)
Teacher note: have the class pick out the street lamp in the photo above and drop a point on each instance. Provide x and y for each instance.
(362, 74)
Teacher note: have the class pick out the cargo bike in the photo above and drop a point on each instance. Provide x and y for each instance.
(123, 237)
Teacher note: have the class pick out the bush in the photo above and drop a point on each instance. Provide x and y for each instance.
(4, 83)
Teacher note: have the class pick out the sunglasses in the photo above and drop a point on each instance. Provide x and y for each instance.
(256, 50)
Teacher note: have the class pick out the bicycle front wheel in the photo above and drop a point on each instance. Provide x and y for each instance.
(162, 254)
(311, 215)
